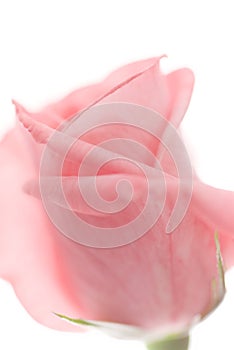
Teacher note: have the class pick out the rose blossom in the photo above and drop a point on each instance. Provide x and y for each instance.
(157, 281)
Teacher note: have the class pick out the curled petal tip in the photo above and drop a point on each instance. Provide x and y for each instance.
(39, 131)
(21, 112)
(18, 107)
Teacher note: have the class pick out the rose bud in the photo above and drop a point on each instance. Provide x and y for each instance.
(102, 216)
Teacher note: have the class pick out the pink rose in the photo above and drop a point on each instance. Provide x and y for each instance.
(156, 280)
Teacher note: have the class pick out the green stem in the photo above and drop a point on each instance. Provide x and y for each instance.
(170, 343)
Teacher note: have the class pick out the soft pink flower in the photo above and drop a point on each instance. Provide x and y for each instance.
(157, 281)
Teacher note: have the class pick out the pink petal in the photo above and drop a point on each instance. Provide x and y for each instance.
(72, 194)
(39, 131)
(30, 257)
(140, 82)
(180, 83)
(157, 280)
(79, 99)
(78, 148)
(216, 207)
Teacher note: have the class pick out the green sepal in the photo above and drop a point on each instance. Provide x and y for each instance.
(116, 330)
(78, 321)
(172, 342)
(220, 266)
(218, 288)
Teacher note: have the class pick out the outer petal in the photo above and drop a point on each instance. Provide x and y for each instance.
(180, 84)
(140, 82)
(158, 280)
(29, 252)
(216, 207)
(81, 98)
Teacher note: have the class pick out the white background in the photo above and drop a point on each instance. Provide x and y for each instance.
(47, 48)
